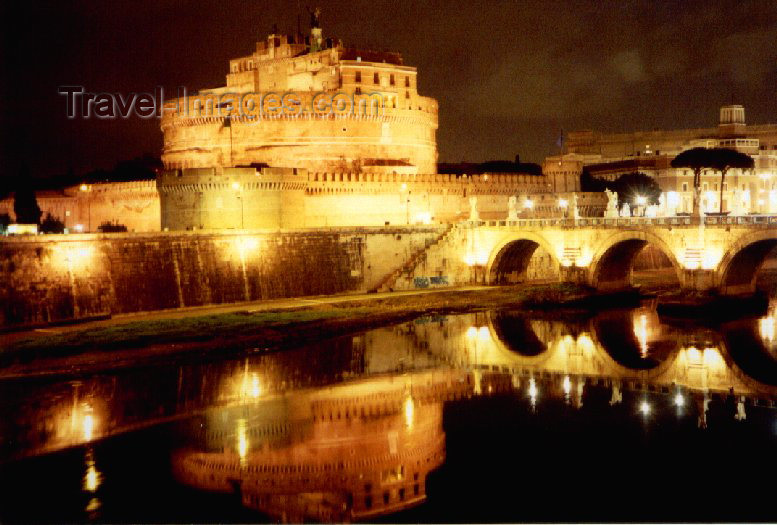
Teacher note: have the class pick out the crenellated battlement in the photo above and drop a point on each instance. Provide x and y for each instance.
(208, 198)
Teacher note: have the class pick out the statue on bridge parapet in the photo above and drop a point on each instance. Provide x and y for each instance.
(612, 204)
(625, 210)
(473, 209)
(512, 208)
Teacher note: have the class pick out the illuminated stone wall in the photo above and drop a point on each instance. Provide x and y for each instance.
(84, 208)
(214, 198)
(53, 278)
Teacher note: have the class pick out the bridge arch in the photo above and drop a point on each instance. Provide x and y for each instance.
(613, 260)
(738, 269)
(510, 258)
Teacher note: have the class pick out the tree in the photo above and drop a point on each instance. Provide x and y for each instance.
(25, 206)
(590, 183)
(52, 225)
(110, 227)
(5, 220)
(629, 186)
(723, 159)
(718, 159)
(697, 159)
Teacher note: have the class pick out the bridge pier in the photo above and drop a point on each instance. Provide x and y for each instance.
(573, 275)
(697, 280)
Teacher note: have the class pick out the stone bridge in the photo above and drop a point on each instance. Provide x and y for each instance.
(709, 253)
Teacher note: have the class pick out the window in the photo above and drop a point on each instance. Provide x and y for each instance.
(407, 82)
(407, 94)
(358, 76)
(358, 91)
(685, 186)
(368, 502)
(385, 498)
(391, 80)
(376, 78)
(715, 187)
(705, 187)
(401, 494)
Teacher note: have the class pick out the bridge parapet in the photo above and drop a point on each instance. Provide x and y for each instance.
(707, 253)
(613, 222)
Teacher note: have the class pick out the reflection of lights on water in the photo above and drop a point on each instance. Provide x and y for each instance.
(88, 427)
(567, 385)
(91, 480)
(644, 407)
(586, 344)
(533, 391)
(409, 411)
(712, 357)
(640, 330)
(679, 400)
(242, 440)
(255, 391)
(92, 477)
(766, 328)
(250, 385)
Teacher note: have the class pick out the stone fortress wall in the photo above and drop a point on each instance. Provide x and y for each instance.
(208, 198)
(85, 207)
(51, 278)
(234, 198)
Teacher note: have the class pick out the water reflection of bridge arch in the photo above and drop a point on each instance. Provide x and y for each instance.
(566, 352)
(613, 258)
(699, 362)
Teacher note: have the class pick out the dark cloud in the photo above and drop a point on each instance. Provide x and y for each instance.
(508, 75)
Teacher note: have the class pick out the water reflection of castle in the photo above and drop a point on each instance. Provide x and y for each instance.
(623, 350)
(349, 452)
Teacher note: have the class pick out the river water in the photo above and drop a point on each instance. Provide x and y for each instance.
(480, 417)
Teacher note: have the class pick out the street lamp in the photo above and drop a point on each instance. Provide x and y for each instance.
(641, 201)
(85, 188)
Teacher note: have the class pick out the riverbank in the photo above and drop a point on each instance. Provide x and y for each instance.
(123, 343)
(229, 331)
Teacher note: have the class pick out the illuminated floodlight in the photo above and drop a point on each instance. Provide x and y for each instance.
(679, 400)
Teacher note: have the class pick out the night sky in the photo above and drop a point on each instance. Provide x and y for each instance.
(508, 75)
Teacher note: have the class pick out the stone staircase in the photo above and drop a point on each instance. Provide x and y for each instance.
(387, 284)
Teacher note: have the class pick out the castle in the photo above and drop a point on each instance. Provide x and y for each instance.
(306, 133)
(306, 103)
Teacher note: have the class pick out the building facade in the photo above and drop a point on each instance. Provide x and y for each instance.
(608, 156)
